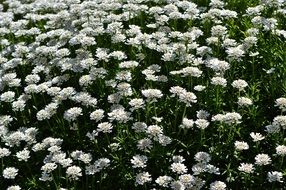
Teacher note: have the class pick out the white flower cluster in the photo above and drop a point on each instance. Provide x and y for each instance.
(228, 118)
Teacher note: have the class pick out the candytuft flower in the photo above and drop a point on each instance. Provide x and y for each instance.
(10, 173)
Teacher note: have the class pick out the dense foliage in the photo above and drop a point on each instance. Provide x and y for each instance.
(142, 94)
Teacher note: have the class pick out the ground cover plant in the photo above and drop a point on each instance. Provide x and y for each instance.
(142, 94)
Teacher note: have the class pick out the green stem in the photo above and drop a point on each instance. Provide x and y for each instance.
(107, 138)
(2, 165)
(217, 99)
(55, 181)
(155, 109)
(176, 111)
(184, 112)
(147, 112)
(202, 137)
(92, 182)
(138, 115)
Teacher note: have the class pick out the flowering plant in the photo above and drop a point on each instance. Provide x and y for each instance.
(142, 94)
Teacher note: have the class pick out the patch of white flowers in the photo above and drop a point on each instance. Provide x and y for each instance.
(104, 94)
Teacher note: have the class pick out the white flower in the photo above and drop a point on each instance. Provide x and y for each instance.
(10, 173)
(157, 119)
(187, 179)
(163, 180)
(139, 127)
(72, 113)
(43, 114)
(254, 10)
(45, 177)
(86, 158)
(119, 115)
(199, 168)
(212, 169)
(212, 40)
(217, 65)
(23, 155)
(66, 93)
(57, 154)
(199, 88)
(53, 91)
(102, 163)
(191, 71)
(76, 154)
(15, 138)
(97, 115)
(249, 42)
(105, 127)
(243, 101)
(139, 161)
(136, 103)
(74, 172)
(98, 165)
(202, 123)
(32, 79)
(14, 187)
(281, 150)
(281, 103)
(262, 159)
(164, 140)
(256, 137)
(177, 90)
(246, 168)
(241, 145)
(7, 96)
(178, 159)
(219, 81)
(272, 128)
(154, 130)
(179, 168)
(188, 98)
(217, 185)
(280, 120)
(4, 152)
(124, 76)
(177, 185)
(5, 120)
(202, 114)
(85, 80)
(235, 53)
(232, 118)
(142, 178)
(128, 64)
(48, 167)
(65, 162)
(229, 43)
(218, 117)
(239, 84)
(145, 144)
(275, 176)
(218, 30)
(114, 147)
(37, 147)
(119, 55)
(152, 94)
(18, 105)
(202, 157)
(187, 123)
(203, 50)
